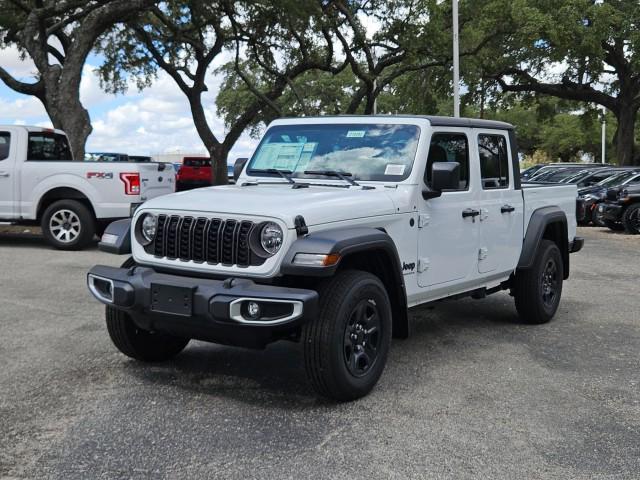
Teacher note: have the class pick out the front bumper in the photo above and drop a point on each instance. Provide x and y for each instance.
(204, 309)
(610, 211)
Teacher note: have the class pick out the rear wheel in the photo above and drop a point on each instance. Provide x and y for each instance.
(631, 219)
(68, 225)
(346, 347)
(537, 290)
(138, 343)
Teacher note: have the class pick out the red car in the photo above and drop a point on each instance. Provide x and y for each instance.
(195, 172)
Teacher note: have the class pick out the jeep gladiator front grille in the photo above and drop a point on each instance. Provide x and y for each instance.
(210, 240)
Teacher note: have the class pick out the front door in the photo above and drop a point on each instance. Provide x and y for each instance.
(6, 177)
(447, 240)
(501, 205)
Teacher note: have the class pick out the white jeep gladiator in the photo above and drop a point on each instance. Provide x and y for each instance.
(71, 200)
(335, 228)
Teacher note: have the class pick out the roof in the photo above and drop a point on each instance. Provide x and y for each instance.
(434, 120)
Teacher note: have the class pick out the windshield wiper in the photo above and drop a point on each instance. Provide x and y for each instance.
(286, 174)
(334, 173)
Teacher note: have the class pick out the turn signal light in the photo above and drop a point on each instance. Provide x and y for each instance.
(316, 259)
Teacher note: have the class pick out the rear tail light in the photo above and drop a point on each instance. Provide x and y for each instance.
(131, 183)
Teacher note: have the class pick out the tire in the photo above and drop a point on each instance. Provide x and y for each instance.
(538, 289)
(137, 343)
(68, 225)
(631, 219)
(346, 347)
(616, 227)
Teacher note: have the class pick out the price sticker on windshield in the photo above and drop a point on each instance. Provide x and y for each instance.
(355, 133)
(394, 169)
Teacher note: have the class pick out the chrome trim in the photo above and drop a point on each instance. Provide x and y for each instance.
(235, 310)
(91, 278)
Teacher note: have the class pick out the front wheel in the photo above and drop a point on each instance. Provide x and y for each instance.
(346, 347)
(537, 290)
(137, 343)
(631, 219)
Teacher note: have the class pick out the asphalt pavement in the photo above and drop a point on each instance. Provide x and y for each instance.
(472, 393)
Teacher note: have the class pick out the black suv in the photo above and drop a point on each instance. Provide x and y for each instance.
(622, 209)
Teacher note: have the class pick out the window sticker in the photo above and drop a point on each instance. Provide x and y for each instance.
(356, 133)
(394, 169)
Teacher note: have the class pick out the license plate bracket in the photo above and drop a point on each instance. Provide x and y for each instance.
(172, 299)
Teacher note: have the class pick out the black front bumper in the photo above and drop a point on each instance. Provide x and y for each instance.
(204, 309)
(610, 211)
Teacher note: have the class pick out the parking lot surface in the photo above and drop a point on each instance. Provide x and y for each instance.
(471, 394)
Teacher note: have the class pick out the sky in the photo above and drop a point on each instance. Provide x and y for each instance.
(154, 121)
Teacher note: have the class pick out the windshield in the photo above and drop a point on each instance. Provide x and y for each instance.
(616, 179)
(378, 152)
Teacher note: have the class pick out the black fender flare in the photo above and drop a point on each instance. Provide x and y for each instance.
(346, 242)
(118, 236)
(540, 220)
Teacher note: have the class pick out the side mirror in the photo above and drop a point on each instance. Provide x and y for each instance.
(444, 176)
(238, 166)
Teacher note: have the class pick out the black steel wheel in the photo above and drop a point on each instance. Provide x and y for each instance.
(537, 290)
(346, 347)
(631, 219)
(362, 338)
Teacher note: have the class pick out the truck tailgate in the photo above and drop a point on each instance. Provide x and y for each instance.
(156, 179)
(545, 195)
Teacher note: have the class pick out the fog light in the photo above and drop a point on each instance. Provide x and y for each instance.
(253, 310)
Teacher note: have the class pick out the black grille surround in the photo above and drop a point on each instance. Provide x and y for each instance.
(214, 241)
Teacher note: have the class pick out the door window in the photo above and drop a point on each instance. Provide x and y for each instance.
(449, 147)
(494, 161)
(5, 143)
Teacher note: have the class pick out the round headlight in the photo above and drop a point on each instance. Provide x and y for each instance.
(148, 227)
(271, 238)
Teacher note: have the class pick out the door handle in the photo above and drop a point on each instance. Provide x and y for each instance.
(470, 212)
(4, 174)
(507, 209)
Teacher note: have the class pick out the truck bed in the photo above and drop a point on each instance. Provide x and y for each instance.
(537, 195)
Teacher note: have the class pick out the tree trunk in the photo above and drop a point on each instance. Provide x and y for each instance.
(625, 135)
(219, 166)
(74, 119)
(216, 150)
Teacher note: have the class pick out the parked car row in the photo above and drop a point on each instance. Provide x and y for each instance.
(607, 196)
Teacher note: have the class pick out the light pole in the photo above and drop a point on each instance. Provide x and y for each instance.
(456, 62)
(604, 134)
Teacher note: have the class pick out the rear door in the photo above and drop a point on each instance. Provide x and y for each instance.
(447, 241)
(155, 179)
(501, 205)
(7, 175)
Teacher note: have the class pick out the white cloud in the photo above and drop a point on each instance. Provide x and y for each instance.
(156, 120)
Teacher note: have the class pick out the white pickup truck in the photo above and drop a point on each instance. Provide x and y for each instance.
(72, 201)
(336, 227)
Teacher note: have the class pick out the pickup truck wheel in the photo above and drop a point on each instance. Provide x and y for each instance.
(631, 219)
(68, 225)
(538, 289)
(346, 347)
(137, 343)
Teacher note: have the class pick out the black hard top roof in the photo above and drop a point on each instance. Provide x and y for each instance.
(438, 121)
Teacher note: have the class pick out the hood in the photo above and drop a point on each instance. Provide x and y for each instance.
(317, 204)
(594, 190)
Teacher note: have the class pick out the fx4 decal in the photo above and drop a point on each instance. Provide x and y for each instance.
(100, 175)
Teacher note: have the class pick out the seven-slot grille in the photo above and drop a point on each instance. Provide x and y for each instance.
(210, 240)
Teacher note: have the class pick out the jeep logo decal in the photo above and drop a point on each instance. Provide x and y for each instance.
(408, 266)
